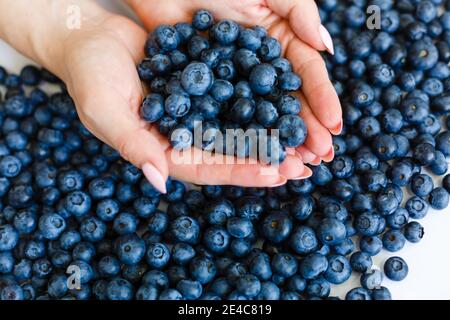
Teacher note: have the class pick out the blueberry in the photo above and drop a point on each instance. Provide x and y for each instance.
(225, 32)
(423, 55)
(263, 78)
(119, 289)
(439, 198)
(342, 167)
(288, 104)
(396, 268)
(249, 39)
(331, 231)
(9, 237)
(221, 90)
(10, 166)
(266, 113)
(12, 292)
(358, 294)
(393, 240)
(443, 142)
(381, 293)
(191, 290)
(202, 20)
(426, 11)
(339, 269)
(166, 37)
(313, 265)
(177, 105)
(289, 81)
(276, 226)
(270, 49)
(225, 70)
(152, 107)
(248, 285)
(202, 269)
(398, 219)
(284, 264)
(216, 239)
(239, 227)
(260, 266)
(197, 79)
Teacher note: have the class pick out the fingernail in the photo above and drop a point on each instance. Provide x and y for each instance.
(307, 172)
(282, 181)
(306, 158)
(330, 155)
(338, 130)
(268, 171)
(326, 39)
(316, 161)
(154, 177)
(290, 151)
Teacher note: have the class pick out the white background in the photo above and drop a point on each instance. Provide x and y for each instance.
(429, 260)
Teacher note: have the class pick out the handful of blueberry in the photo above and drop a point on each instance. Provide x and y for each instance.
(220, 76)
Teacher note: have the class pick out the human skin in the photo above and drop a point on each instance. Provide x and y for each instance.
(98, 64)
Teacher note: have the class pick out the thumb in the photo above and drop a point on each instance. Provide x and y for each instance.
(304, 20)
(117, 123)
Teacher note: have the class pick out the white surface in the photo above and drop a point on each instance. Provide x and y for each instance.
(428, 261)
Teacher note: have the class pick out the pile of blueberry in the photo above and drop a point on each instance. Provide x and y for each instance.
(72, 211)
(226, 77)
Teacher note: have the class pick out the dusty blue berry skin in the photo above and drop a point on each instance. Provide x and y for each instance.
(9, 237)
(197, 78)
(263, 78)
(167, 37)
(152, 107)
(339, 269)
(225, 32)
(396, 269)
(202, 20)
(439, 198)
(292, 130)
(358, 294)
(313, 265)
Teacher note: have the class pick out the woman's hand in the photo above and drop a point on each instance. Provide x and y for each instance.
(296, 24)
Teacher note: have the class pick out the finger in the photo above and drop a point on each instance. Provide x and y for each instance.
(204, 168)
(307, 156)
(117, 123)
(317, 87)
(304, 20)
(292, 167)
(318, 139)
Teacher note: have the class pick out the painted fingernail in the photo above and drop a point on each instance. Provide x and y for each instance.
(269, 171)
(316, 161)
(154, 177)
(306, 158)
(282, 181)
(326, 39)
(307, 172)
(290, 151)
(338, 130)
(330, 155)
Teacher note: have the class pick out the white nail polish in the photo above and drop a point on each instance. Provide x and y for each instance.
(326, 39)
(154, 177)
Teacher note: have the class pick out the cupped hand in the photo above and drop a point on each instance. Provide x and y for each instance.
(296, 24)
(99, 68)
